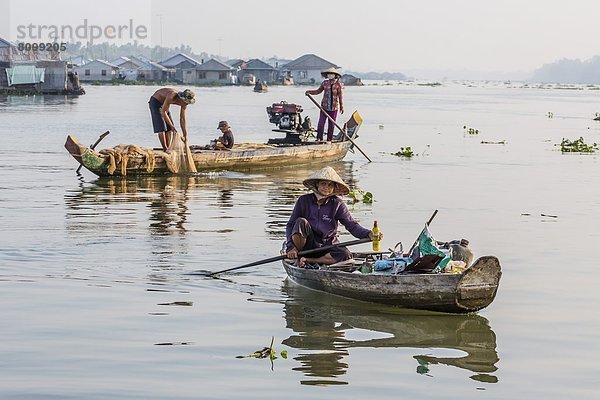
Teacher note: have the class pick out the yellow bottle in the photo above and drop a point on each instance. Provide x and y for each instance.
(375, 229)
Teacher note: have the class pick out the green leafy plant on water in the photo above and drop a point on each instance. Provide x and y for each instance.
(471, 131)
(404, 152)
(577, 146)
(358, 195)
(266, 352)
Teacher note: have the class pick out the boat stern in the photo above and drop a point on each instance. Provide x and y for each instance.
(479, 284)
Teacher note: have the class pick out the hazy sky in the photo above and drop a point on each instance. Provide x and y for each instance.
(365, 35)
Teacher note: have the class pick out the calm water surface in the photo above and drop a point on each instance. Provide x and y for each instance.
(96, 302)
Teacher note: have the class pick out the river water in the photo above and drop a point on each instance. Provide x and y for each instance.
(96, 302)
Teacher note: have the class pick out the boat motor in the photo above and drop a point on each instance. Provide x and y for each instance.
(286, 116)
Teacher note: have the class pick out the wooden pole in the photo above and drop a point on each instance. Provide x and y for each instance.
(281, 257)
(335, 123)
(94, 146)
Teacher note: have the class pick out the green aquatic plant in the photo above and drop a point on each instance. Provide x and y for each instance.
(471, 131)
(577, 146)
(266, 352)
(358, 195)
(404, 152)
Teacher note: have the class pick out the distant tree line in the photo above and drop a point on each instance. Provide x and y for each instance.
(385, 76)
(109, 52)
(569, 71)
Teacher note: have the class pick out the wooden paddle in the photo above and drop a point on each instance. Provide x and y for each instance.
(281, 257)
(94, 146)
(191, 167)
(335, 123)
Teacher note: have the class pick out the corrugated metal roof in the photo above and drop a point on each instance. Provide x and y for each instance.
(177, 59)
(258, 64)
(6, 43)
(102, 62)
(213, 65)
(310, 61)
(236, 62)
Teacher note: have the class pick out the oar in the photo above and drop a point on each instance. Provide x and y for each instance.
(335, 123)
(191, 167)
(94, 146)
(417, 241)
(281, 257)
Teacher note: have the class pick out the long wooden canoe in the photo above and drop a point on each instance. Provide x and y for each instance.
(469, 291)
(133, 160)
(240, 158)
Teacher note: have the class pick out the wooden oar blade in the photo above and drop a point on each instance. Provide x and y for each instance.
(191, 167)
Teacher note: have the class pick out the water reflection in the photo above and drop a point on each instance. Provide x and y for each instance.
(37, 102)
(323, 325)
(162, 213)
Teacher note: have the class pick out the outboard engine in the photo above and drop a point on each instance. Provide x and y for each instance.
(286, 116)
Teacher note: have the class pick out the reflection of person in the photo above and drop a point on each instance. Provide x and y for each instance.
(315, 218)
(332, 100)
(162, 122)
(227, 139)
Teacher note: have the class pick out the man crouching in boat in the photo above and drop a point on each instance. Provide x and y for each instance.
(315, 218)
(162, 122)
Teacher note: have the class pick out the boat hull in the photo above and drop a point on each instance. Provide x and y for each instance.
(241, 158)
(470, 291)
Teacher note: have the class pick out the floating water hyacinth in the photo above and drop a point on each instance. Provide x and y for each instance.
(358, 195)
(266, 352)
(404, 152)
(471, 131)
(577, 146)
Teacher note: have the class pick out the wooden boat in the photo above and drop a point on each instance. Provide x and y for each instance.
(242, 157)
(261, 87)
(469, 291)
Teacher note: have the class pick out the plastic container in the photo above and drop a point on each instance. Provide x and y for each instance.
(461, 252)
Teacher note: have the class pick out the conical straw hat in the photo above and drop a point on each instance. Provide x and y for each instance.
(331, 70)
(327, 174)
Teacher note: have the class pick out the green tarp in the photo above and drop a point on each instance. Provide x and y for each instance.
(22, 74)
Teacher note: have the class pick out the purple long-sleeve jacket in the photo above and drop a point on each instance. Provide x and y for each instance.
(323, 220)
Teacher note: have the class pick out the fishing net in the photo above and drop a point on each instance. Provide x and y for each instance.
(177, 160)
(119, 156)
(175, 157)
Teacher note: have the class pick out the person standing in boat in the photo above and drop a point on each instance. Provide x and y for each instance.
(162, 122)
(333, 100)
(314, 220)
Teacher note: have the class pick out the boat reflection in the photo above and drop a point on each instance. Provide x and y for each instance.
(154, 210)
(323, 325)
(169, 197)
(26, 103)
(166, 197)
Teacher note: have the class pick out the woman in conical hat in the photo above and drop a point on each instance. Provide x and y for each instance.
(314, 220)
(333, 99)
